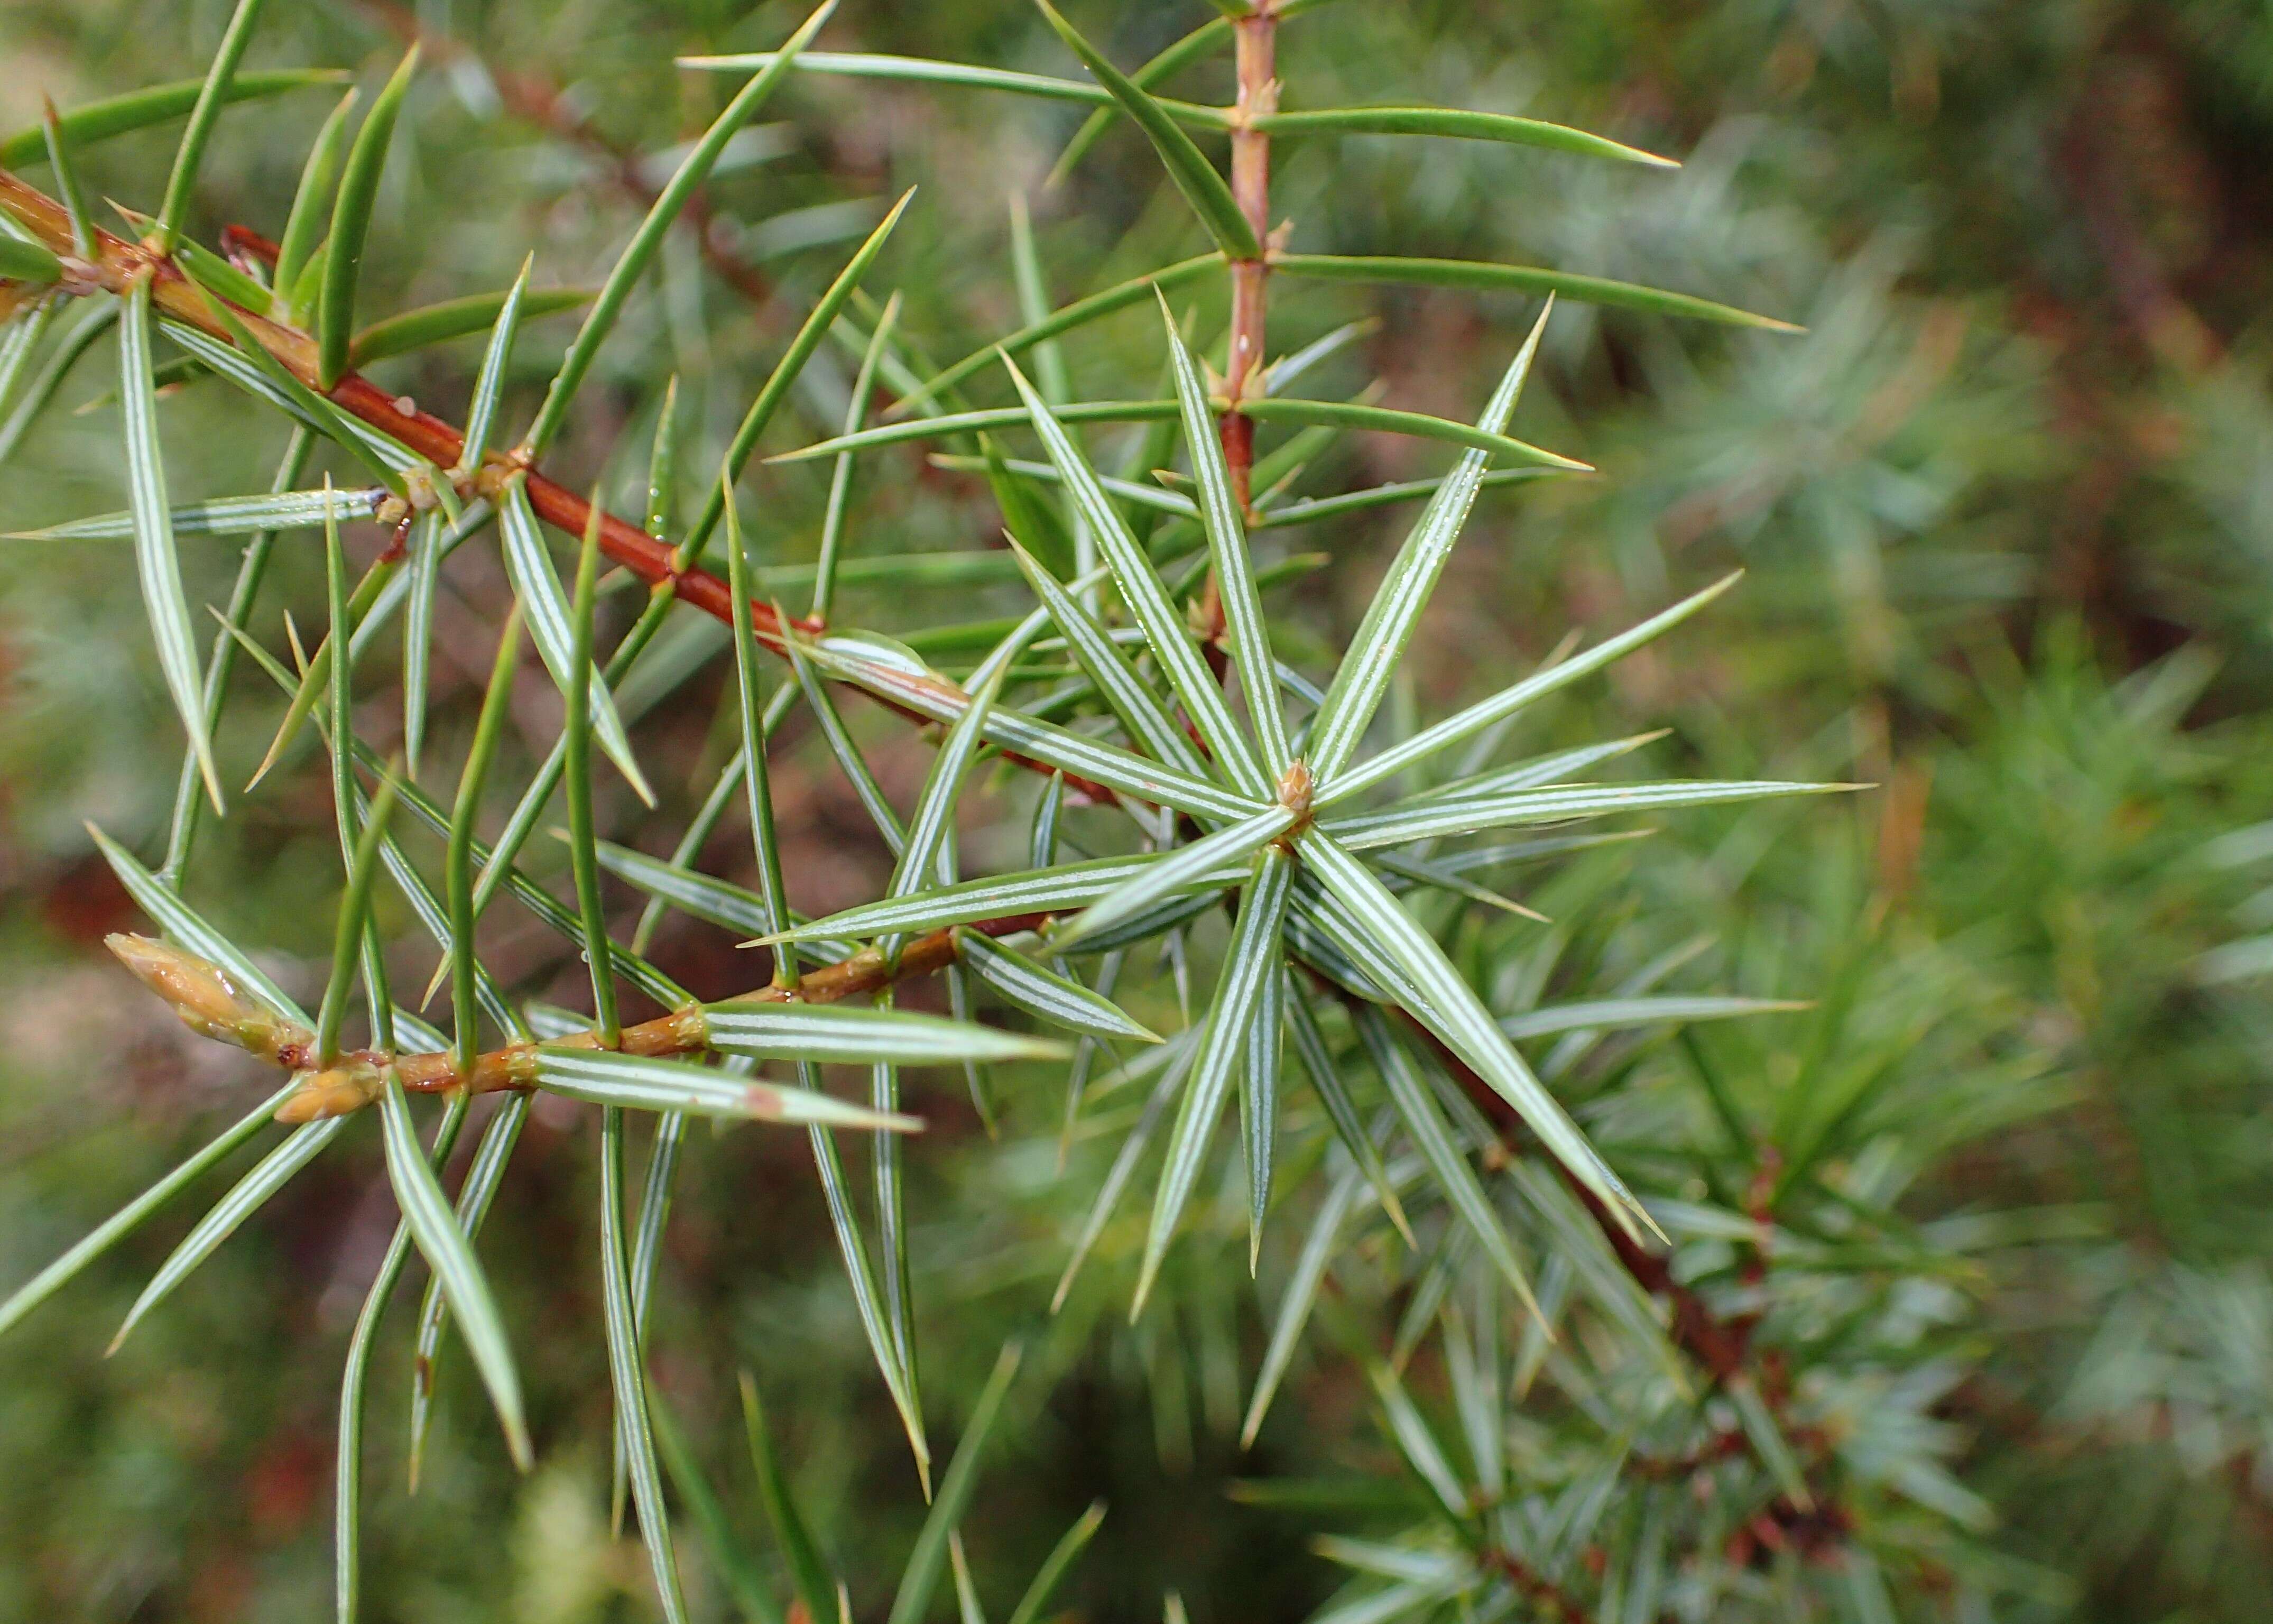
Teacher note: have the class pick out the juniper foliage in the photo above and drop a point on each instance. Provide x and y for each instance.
(1598, 1207)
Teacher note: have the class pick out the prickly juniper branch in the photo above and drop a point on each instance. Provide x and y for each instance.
(119, 265)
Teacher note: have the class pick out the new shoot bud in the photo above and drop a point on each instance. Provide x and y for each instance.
(207, 1001)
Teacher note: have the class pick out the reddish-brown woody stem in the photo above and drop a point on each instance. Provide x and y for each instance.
(1256, 36)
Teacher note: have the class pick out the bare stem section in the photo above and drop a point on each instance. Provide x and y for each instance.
(1256, 38)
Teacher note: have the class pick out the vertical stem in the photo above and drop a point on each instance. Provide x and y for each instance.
(1258, 38)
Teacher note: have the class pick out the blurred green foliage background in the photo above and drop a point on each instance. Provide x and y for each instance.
(2008, 507)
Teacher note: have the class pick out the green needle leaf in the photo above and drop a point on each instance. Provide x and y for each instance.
(1434, 820)
(155, 559)
(138, 109)
(1207, 37)
(67, 187)
(1034, 301)
(628, 1372)
(785, 375)
(1258, 1106)
(425, 549)
(249, 1193)
(974, 422)
(26, 261)
(1484, 713)
(1452, 1010)
(1125, 490)
(1485, 278)
(1044, 995)
(226, 516)
(922, 1577)
(969, 1608)
(1378, 646)
(815, 1585)
(1418, 1445)
(888, 1180)
(447, 1252)
(1250, 963)
(529, 566)
(1080, 313)
(1353, 415)
(916, 70)
(437, 324)
(490, 1157)
(633, 263)
(840, 480)
(1243, 605)
(1767, 1439)
(729, 907)
(1301, 1294)
(867, 1301)
(212, 95)
(138, 1211)
(1038, 890)
(633, 1082)
(304, 226)
(1193, 175)
(750, 713)
(828, 1033)
(577, 733)
(1166, 630)
(1559, 768)
(1317, 1059)
(663, 464)
(1610, 1013)
(647, 1246)
(351, 223)
(1346, 416)
(1457, 123)
(1286, 370)
(459, 859)
(1425, 1125)
(1185, 867)
(489, 383)
(1055, 1565)
(19, 341)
